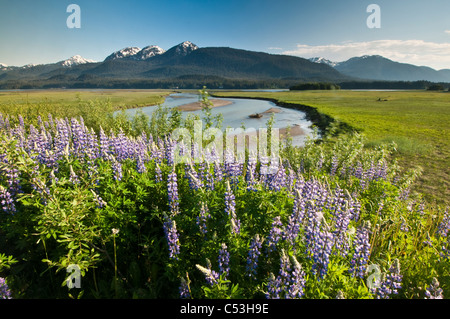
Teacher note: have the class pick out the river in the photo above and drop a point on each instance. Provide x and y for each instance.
(237, 114)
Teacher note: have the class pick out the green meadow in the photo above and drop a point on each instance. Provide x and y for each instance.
(417, 121)
(75, 102)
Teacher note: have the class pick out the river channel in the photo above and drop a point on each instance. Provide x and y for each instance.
(238, 111)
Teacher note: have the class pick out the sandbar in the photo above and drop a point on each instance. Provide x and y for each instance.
(196, 106)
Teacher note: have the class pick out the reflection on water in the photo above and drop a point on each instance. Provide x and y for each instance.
(237, 114)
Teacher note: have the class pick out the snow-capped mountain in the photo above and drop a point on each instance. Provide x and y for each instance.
(324, 61)
(148, 52)
(3, 66)
(124, 53)
(75, 60)
(135, 53)
(185, 48)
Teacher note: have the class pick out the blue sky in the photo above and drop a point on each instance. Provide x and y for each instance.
(412, 31)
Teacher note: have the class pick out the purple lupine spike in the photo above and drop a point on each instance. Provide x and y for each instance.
(172, 191)
(7, 201)
(100, 202)
(218, 171)
(169, 151)
(158, 173)
(224, 261)
(253, 256)
(391, 283)
(297, 281)
(73, 177)
(360, 257)
(194, 180)
(140, 165)
(172, 238)
(202, 219)
(444, 226)
(433, 291)
(117, 169)
(250, 175)
(211, 276)
(275, 234)
(184, 289)
(5, 292)
(290, 281)
(334, 165)
(230, 209)
(278, 180)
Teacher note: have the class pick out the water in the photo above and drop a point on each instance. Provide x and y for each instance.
(237, 114)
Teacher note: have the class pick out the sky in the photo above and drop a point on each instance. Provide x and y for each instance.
(413, 31)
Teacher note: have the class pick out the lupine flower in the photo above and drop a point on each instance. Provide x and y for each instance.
(184, 289)
(334, 165)
(433, 291)
(290, 281)
(250, 177)
(170, 230)
(278, 180)
(140, 165)
(158, 174)
(169, 154)
(297, 281)
(5, 292)
(391, 283)
(230, 209)
(100, 202)
(444, 225)
(275, 234)
(218, 172)
(211, 276)
(224, 261)
(172, 190)
(360, 258)
(7, 201)
(273, 287)
(73, 177)
(117, 169)
(203, 218)
(320, 249)
(253, 256)
(192, 175)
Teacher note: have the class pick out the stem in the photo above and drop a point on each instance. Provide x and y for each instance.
(115, 265)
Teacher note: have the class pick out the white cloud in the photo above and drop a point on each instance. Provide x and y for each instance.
(447, 31)
(275, 48)
(417, 52)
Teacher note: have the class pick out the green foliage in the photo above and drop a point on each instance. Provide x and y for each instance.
(114, 228)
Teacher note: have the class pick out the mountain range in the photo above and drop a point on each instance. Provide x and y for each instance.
(186, 62)
(376, 67)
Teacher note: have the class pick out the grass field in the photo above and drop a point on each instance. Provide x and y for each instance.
(68, 102)
(417, 121)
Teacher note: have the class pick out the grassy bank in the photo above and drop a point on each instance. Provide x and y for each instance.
(75, 102)
(417, 121)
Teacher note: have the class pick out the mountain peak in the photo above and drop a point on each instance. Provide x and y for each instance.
(185, 48)
(124, 53)
(75, 60)
(323, 61)
(3, 66)
(148, 52)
